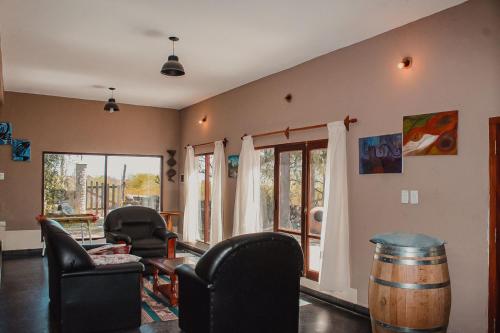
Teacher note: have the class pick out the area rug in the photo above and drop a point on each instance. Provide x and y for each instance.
(156, 307)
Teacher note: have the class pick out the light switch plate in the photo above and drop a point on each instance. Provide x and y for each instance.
(404, 196)
(414, 197)
(2, 176)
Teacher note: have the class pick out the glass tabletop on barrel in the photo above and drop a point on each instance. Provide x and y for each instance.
(168, 265)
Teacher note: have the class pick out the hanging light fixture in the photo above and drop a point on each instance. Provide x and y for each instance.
(111, 105)
(173, 67)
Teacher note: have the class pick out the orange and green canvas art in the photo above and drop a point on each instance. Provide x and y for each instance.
(430, 134)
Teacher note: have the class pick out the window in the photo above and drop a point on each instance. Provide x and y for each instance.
(294, 203)
(267, 188)
(205, 170)
(97, 184)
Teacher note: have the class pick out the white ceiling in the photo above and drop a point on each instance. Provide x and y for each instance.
(76, 48)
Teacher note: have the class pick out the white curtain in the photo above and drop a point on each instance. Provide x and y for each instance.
(192, 209)
(335, 274)
(216, 195)
(247, 201)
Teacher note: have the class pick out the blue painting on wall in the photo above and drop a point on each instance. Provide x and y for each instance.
(232, 165)
(381, 154)
(21, 150)
(5, 133)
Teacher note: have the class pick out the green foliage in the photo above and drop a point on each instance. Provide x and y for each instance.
(54, 184)
(143, 184)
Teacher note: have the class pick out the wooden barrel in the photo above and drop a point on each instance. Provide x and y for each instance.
(409, 290)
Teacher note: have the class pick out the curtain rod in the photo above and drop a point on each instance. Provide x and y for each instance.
(347, 122)
(224, 141)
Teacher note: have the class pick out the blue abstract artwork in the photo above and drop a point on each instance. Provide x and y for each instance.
(232, 165)
(5, 133)
(381, 154)
(21, 150)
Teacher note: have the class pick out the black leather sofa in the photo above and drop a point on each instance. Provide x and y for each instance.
(245, 284)
(143, 228)
(85, 297)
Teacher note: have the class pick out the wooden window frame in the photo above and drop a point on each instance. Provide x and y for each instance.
(494, 224)
(105, 155)
(306, 147)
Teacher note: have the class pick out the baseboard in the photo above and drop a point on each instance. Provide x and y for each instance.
(356, 308)
(189, 247)
(24, 253)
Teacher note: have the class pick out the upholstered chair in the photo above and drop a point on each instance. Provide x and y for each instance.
(245, 284)
(143, 228)
(85, 297)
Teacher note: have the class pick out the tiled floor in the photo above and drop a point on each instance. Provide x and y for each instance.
(24, 306)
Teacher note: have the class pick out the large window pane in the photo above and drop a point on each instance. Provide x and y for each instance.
(74, 184)
(267, 188)
(290, 190)
(317, 165)
(314, 254)
(134, 181)
(205, 173)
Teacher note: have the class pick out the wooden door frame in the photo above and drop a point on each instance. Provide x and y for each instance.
(493, 227)
(306, 147)
(310, 146)
(207, 199)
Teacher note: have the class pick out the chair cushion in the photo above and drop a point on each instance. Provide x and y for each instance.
(407, 240)
(148, 243)
(113, 259)
(137, 229)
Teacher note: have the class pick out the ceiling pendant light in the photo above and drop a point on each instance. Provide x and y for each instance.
(111, 105)
(173, 67)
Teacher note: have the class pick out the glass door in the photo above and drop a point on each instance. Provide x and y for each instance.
(316, 153)
(298, 192)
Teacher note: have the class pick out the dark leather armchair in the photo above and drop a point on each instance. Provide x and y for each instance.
(143, 228)
(85, 297)
(248, 283)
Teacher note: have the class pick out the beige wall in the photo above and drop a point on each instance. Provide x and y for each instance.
(73, 125)
(456, 66)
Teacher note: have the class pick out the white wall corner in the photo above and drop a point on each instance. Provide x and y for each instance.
(20, 240)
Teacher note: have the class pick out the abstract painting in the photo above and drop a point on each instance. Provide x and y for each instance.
(430, 134)
(5, 133)
(21, 150)
(381, 154)
(232, 165)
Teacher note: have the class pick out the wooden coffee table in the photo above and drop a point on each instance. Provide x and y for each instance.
(167, 266)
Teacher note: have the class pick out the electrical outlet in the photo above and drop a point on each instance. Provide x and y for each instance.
(2, 176)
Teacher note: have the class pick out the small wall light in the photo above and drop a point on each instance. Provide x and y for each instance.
(202, 120)
(405, 63)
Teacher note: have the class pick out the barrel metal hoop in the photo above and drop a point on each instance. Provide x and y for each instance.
(410, 262)
(400, 329)
(403, 251)
(415, 286)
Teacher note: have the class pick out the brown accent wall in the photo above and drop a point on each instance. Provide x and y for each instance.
(74, 125)
(456, 66)
(2, 95)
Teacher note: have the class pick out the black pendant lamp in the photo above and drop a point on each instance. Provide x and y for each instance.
(173, 67)
(111, 105)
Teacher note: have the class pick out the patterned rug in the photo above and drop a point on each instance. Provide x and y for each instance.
(156, 307)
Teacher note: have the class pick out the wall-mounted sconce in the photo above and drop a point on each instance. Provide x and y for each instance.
(202, 120)
(288, 98)
(405, 63)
